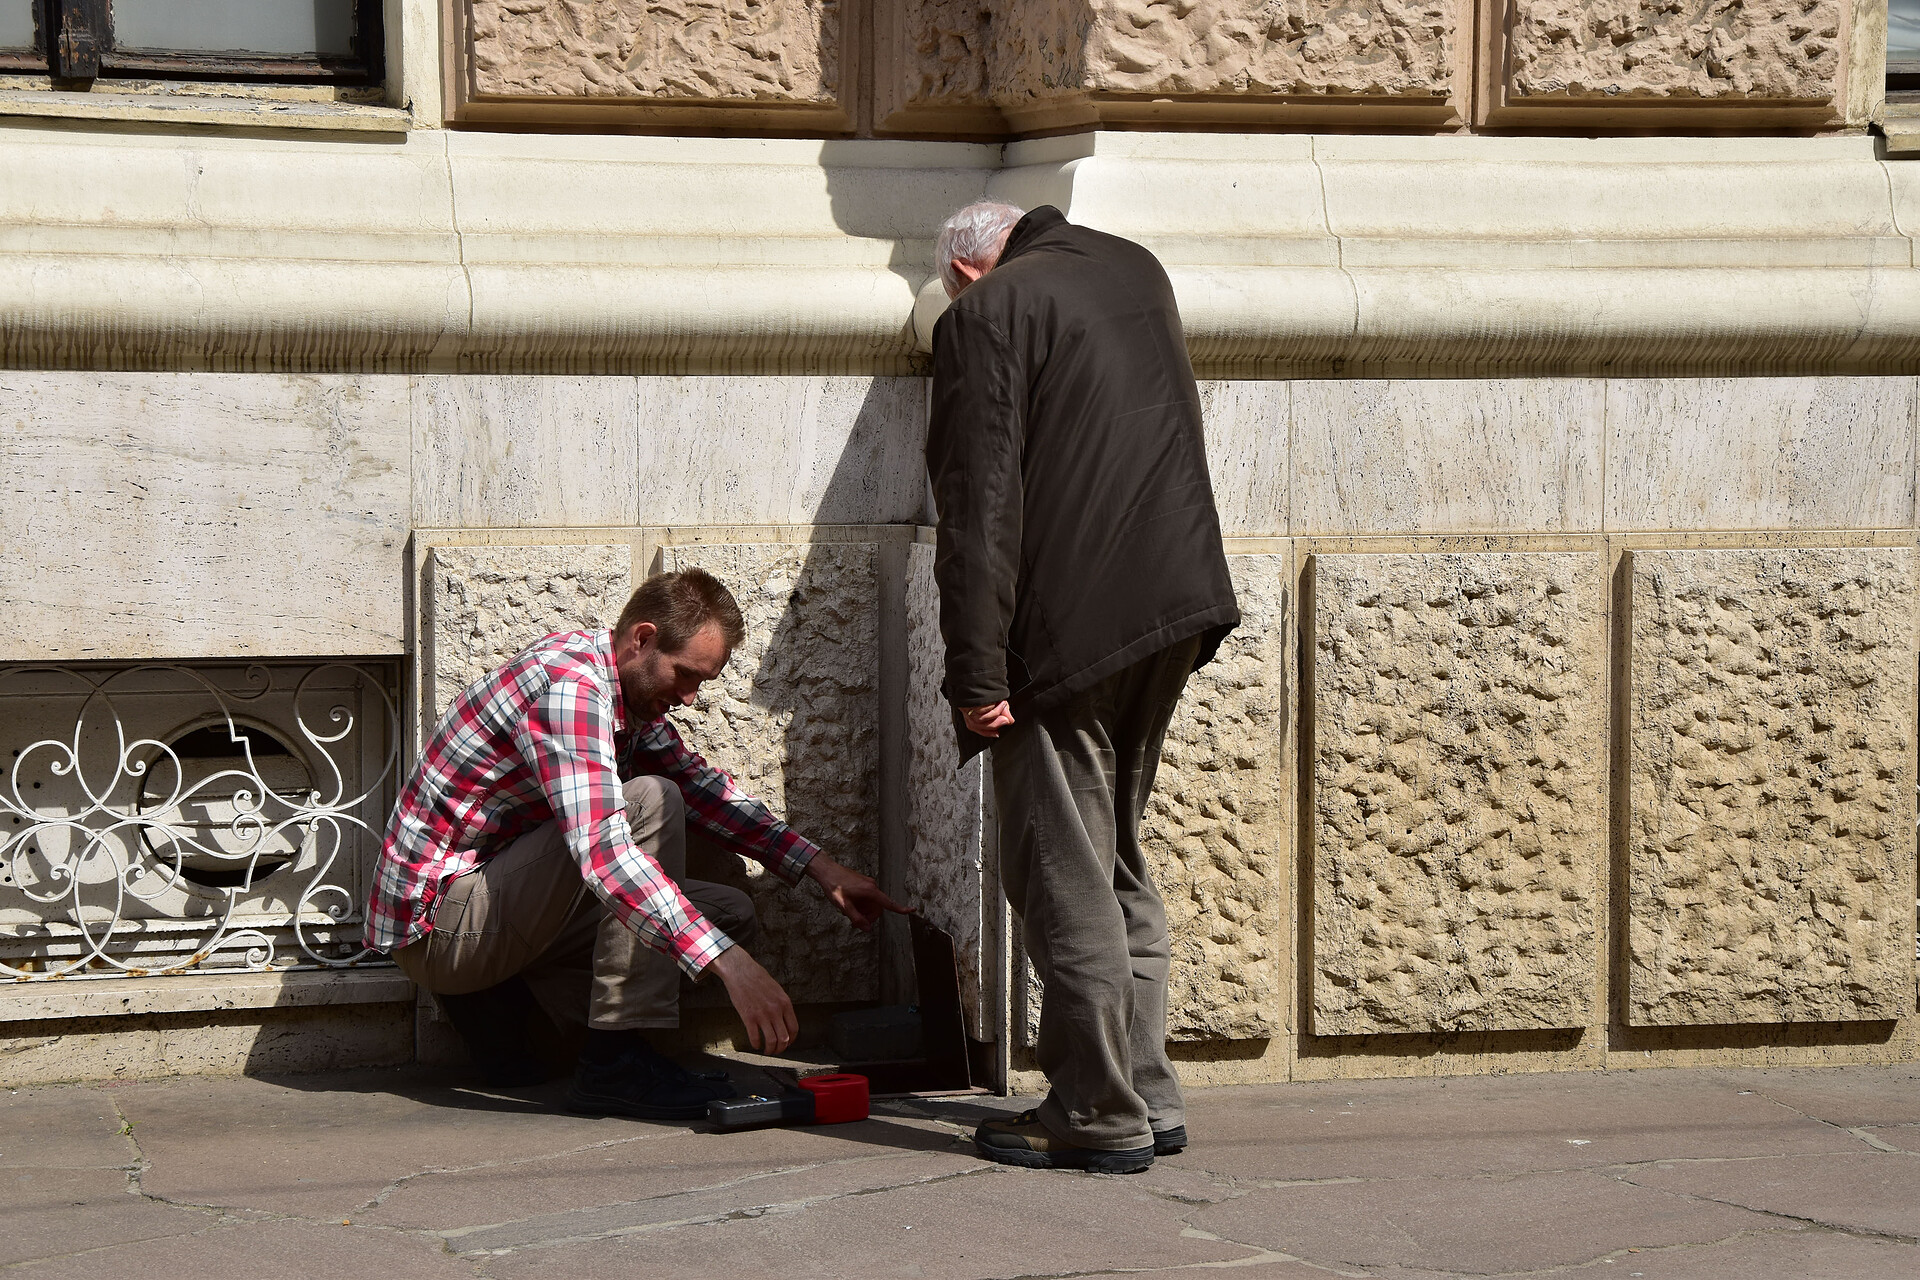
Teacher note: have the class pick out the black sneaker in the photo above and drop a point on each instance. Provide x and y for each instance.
(1170, 1142)
(1024, 1141)
(493, 1025)
(639, 1082)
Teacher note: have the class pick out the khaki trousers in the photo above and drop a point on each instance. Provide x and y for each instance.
(1071, 785)
(528, 911)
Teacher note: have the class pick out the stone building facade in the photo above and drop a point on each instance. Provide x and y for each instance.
(1561, 366)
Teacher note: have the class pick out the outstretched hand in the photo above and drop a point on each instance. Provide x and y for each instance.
(859, 897)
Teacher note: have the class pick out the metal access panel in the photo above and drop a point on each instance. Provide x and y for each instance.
(163, 818)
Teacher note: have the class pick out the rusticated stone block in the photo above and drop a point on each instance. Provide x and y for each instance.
(1788, 50)
(945, 44)
(1216, 830)
(753, 49)
(1772, 836)
(946, 870)
(1459, 733)
(1255, 46)
(488, 603)
(795, 719)
(1030, 57)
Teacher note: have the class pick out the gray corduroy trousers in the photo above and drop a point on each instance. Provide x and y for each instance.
(1071, 785)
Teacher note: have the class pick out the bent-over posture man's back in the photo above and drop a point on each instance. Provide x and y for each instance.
(1082, 579)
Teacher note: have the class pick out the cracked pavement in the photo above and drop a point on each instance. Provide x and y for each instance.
(1655, 1174)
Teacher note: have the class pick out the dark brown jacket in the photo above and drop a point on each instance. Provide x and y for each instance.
(1077, 527)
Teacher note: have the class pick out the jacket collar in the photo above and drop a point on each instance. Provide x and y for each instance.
(1030, 231)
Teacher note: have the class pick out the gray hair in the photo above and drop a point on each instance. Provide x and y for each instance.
(971, 236)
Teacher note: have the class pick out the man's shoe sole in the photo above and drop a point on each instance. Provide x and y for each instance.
(1136, 1161)
(596, 1104)
(1170, 1142)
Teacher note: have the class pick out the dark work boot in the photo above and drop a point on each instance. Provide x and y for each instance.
(620, 1074)
(1022, 1140)
(493, 1023)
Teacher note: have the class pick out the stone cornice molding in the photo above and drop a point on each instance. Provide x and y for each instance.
(1293, 255)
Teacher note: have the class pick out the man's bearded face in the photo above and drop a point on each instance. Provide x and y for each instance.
(653, 681)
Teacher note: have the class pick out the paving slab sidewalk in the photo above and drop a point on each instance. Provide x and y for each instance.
(1656, 1174)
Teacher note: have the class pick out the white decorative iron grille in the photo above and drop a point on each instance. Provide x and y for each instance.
(166, 817)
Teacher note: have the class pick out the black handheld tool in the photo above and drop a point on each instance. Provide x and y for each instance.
(758, 1110)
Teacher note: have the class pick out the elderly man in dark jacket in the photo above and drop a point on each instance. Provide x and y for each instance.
(1082, 579)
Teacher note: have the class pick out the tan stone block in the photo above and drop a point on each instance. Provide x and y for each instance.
(778, 53)
(1510, 455)
(179, 515)
(930, 67)
(485, 604)
(782, 450)
(505, 452)
(1760, 453)
(230, 1042)
(1248, 439)
(1459, 722)
(1771, 840)
(1062, 62)
(1217, 830)
(947, 876)
(795, 718)
(1695, 59)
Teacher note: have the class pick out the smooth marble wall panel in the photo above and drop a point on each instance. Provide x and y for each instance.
(782, 450)
(1217, 831)
(1507, 455)
(1760, 453)
(795, 719)
(485, 604)
(190, 515)
(571, 452)
(1247, 425)
(525, 452)
(1771, 842)
(947, 877)
(1460, 731)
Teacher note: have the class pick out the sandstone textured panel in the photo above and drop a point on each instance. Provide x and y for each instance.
(1760, 453)
(945, 54)
(1216, 830)
(1403, 48)
(518, 452)
(191, 515)
(1505, 455)
(947, 876)
(1772, 836)
(795, 718)
(1459, 709)
(781, 450)
(1759, 49)
(767, 50)
(488, 603)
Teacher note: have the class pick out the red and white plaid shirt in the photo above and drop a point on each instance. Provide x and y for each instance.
(546, 737)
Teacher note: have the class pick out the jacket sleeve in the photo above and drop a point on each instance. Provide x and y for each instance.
(975, 442)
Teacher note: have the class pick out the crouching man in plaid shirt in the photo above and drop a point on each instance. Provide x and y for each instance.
(541, 844)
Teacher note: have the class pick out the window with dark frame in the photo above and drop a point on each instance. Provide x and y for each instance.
(337, 42)
(1903, 48)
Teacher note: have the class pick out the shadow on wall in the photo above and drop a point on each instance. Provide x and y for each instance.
(904, 207)
(823, 678)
